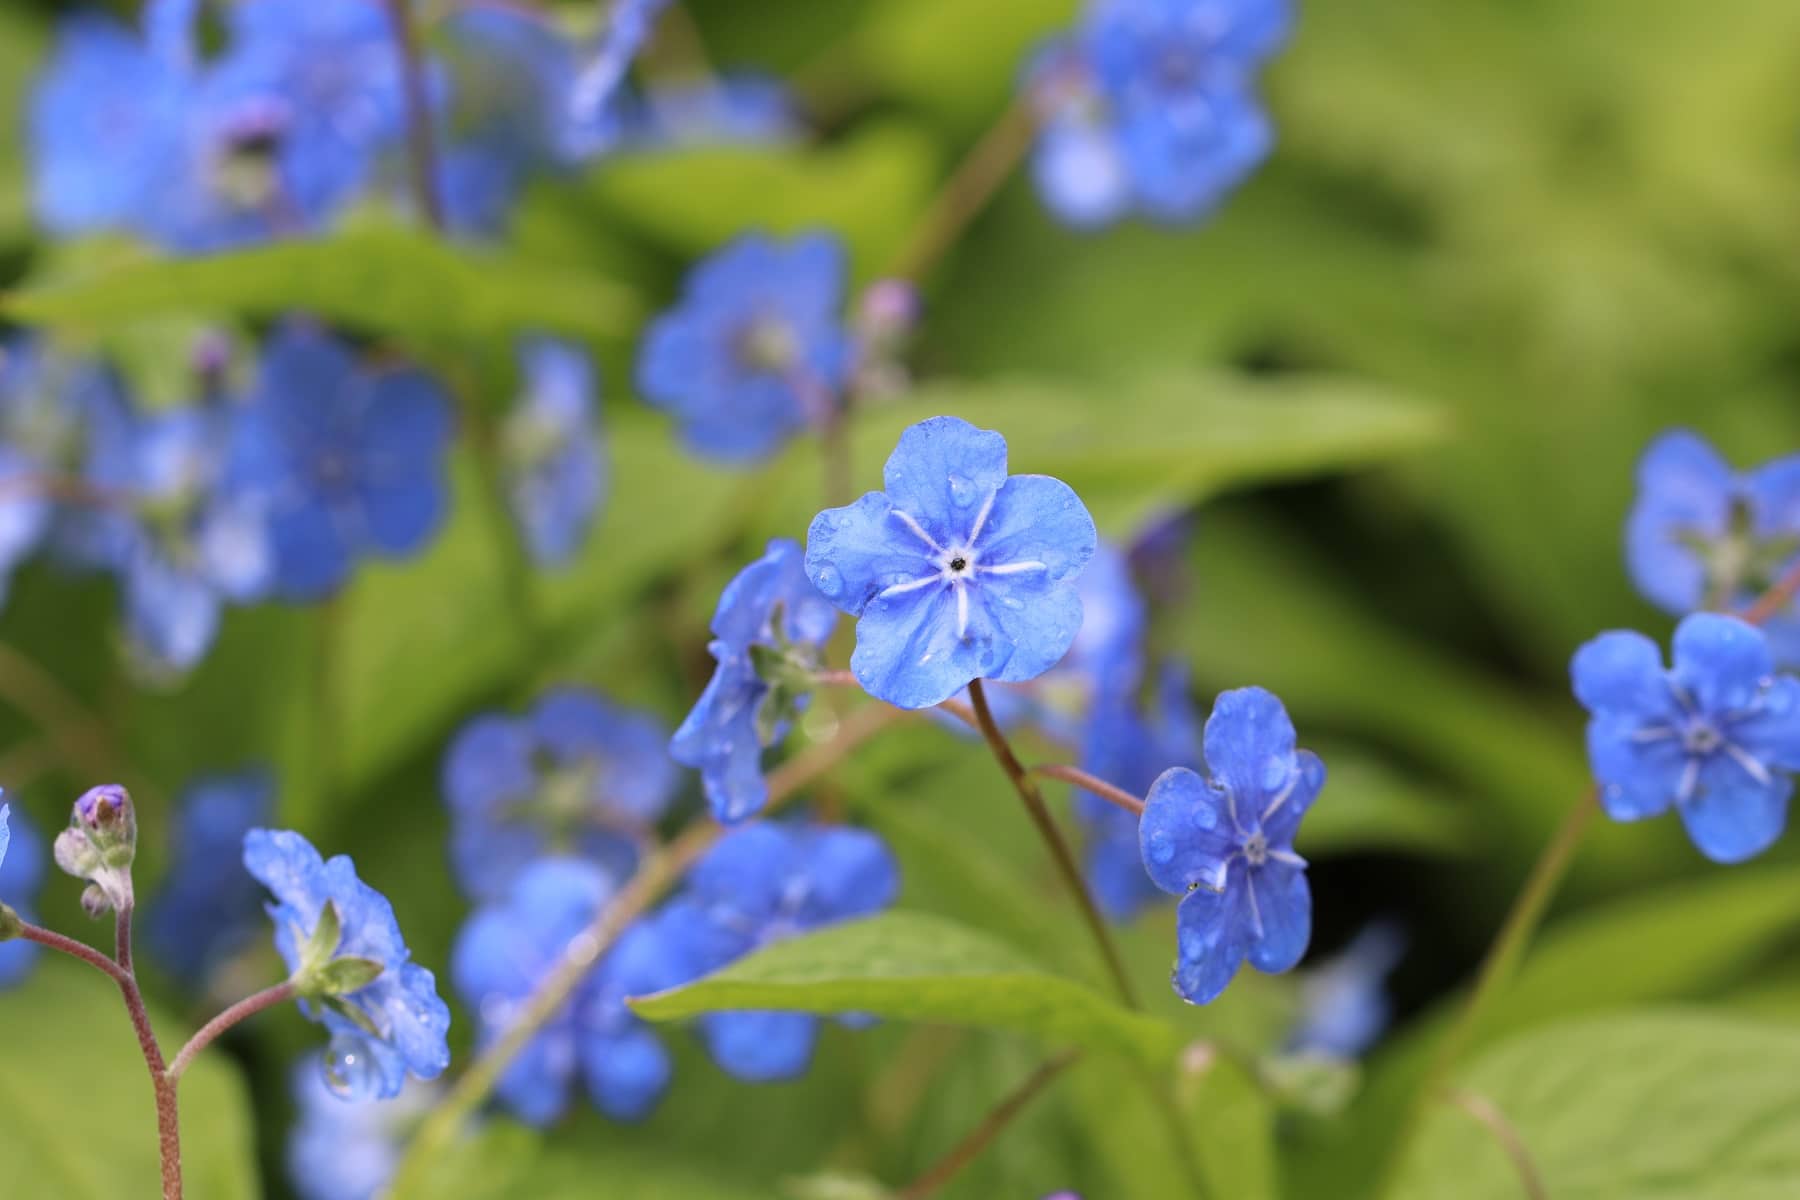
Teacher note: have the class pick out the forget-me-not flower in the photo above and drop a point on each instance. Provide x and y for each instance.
(1226, 845)
(382, 1032)
(769, 611)
(759, 884)
(957, 571)
(1715, 736)
(501, 959)
(577, 775)
(207, 909)
(1702, 535)
(756, 350)
(555, 469)
(348, 1149)
(22, 862)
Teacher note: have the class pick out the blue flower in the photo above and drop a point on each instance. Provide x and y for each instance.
(1125, 745)
(730, 110)
(759, 884)
(502, 957)
(551, 441)
(1226, 845)
(394, 1026)
(348, 1149)
(592, 103)
(207, 909)
(957, 571)
(771, 610)
(22, 860)
(577, 775)
(1344, 1003)
(352, 461)
(1715, 737)
(756, 350)
(1704, 536)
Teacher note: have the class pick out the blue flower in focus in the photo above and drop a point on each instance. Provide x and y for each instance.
(1344, 1005)
(1126, 745)
(390, 1028)
(956, 571)
(1715, 737)
(1149, 106)
(22, 870)
(757, 348)
(770, 619)
(351, 461)
(757, 885)
(1226, 845)
(348, 1149)
(1702, 535)
(551, 442)
(577, 775)
(503, 955)
(207, 909)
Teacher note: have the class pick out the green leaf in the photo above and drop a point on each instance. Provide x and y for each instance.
(76, 1117)
(908, 967)
(1627, 1107)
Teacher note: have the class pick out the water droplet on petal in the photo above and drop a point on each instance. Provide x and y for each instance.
(1275, 774)
(962, 491)
(349, 1068)
(1162, 851)
(829, 582)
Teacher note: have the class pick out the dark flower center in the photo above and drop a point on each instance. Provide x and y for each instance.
(959, 563)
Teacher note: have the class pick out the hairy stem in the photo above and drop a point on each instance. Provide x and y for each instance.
(168, 1118)
(242, 1011)
(1112, 793)
(990, 1127)
(420, 144)
(1039, 812)
(74, 949)
(976, 179)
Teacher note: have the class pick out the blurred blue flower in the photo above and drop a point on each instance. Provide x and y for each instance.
(1701, 535)
(502, 957)
(734, 109)
(350, 460)
(207, 909)
(1715, 737)
(957, 571)
(577, 775)
(22, 871)
(1148, 105)
(1226, 845)
(1344, 1005)
(759, 884)
(395, 1026)
(757, 348)
(1129, 746)
(769, 610)
(551, 443)
(348, 1149)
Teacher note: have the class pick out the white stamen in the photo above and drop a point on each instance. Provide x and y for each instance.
(962, 612)
(1690, 779)
(907, 519)
(1231, 808)
(1014, 568)
(1746, 760)
(911, 586)
(1281, 797)
(1288, 857)
(1255, 908)
(987, 506)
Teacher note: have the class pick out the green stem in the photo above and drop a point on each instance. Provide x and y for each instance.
(976, 179)
(990, 1127)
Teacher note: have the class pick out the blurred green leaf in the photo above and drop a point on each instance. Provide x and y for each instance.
(909, 967)
(78, 1122)
(506, 1161)
(1232, 1124)
(1626, 1107)
(1371, 805)
(22, 48)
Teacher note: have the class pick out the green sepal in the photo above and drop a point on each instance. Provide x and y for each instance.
(326, 937)
(11, 926)
(354, 1015)
(342, 976)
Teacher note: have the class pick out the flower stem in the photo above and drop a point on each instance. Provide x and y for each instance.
(982, 1136)
(421, 146)
(168, 1118)
(1039, 813)
(1781, 592)
(976, 179)
(209, 1033)
(1491, 1118)
(1112, 793)
(74, 949)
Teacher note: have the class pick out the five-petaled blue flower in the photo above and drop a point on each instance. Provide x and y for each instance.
(1150, 105)
(380, 1033)
(1702, 535)
(577, 775)
(351, 461)
(756, 350)
(770, 608)
(1226, 844)
(22, 862)
(957, 571)
(501, 959)
(348, 1150)
(1714, 737)
(551, 442)
(207, 909)
(759, 884)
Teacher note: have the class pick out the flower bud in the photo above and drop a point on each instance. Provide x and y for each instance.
(76, 853)
(95, 901)
(106, 815)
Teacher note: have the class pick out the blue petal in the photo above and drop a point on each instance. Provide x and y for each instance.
(630, 748)
(1037, 519)
(172, 614)
(1772, 735)
(747, 869)
(5, 831)
(1281, 822)
(941, 473)
(1280, 905)
(1637, 778)
(1249, 743)
(852, 874)
(761, 1047)
(535, 1085)
(1080, 173)
(1029, 624)
(1622, 672)
(627, 1073)
(1210, 941)
(908, 651)
(1684, 488)
(1721, 661)
(719, 737)
(312, 549)
(856, 552)
(1732, 816)
(1185, 832)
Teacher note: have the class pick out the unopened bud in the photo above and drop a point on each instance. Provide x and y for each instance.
(11, 926)
(95, 902)
(106, 815)
(76, 853)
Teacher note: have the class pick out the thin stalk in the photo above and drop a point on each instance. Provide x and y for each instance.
(1112, 793)
(242, 1011)
(976, 180)
(1039, 812)
(67, 945)
(1780, 593)
(420, 144)
(1494, 1121)
(168, 1117)
(990, 1127)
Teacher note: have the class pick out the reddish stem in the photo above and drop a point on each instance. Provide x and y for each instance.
(243, 1010)
(1112, 793)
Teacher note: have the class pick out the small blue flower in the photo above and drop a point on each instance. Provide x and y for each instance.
(350, 460)
(957, 571)
(348, 1149)
(577, 775)
(1715, 737)
(756, 350)
(1226, 845)
(207, 909)
(555, 469)
(22, 863)
(759, 884)
(502, 957)
(770, 609)
(1344, 1005)
(393, 1027)
(1704, 536)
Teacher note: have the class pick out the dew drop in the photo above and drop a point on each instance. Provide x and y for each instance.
(962, 491)
(1162, 851)
(349, 1068)
(829, 582)
(1275, 774)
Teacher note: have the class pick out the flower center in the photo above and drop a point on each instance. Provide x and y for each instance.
(1701, 738)
(1256, 848)
(959, 563)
